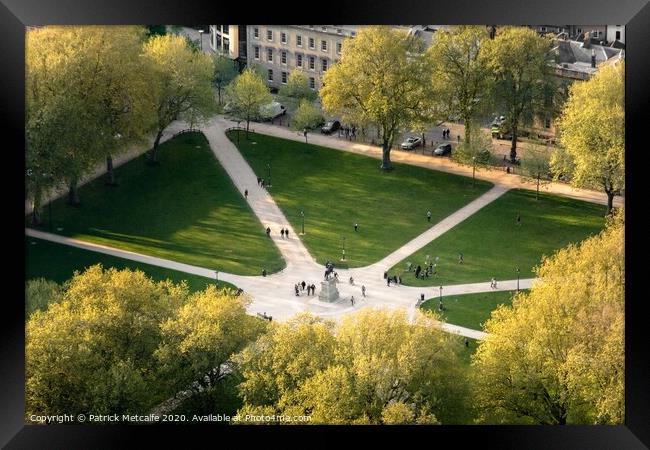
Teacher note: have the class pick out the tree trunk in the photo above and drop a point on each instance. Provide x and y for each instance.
(513, 148)
(610, 200)
(73, 193)
(385, 150)
(248, 121)
(219, 94)
(468, 131)
(36, 217)
(154, 150)
(109, 171)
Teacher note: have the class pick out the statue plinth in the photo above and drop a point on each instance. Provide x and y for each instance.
(328, 291)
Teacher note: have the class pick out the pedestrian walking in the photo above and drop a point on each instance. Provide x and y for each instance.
(303, 285)
(385, 275)
(261, 182)
(388, 280)
(518, 219)
(282, 232)
(352, 300)
(458, 138)
(313, 289)
(417, 271)
(268, 231)
(494, 283)
(286, 233)
(352, 281)
(395, 279)
(297, 290)
(246, 193)
(460, 258)
(466, 342)
(429, 216)
(444, 133)
(263, 272)
(363, 290)
(356, 227)
(399, 280)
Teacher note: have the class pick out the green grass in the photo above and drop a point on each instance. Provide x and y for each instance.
(338, 189)
(493, 245)
(469, 310)
(57, 262)
(186, 210)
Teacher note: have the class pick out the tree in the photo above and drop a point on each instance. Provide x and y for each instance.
(247, 94)
(297, 89)
(307, 117)
(224, 73)
(40, 293)
(556, 356)
(156, 30)
(592, 134)
(93, 351)
(475, 153)
(460, 73)
(536, 165)
(182, 84)
(519, 61)
(200, 338)
(87, 97)
(375, 367)
(382, 78)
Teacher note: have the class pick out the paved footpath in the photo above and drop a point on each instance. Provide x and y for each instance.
(274, 295)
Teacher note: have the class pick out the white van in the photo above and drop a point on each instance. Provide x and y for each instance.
(272, 110)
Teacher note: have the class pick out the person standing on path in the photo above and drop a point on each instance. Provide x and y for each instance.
(313, 289)
(363, 290)
(303, 285)
(262, 182)
(282, 233)
(460, 258)
(352, 300)
(268, 231)
(286, 233)
(356, 227)
(429, 216)
(246, 194)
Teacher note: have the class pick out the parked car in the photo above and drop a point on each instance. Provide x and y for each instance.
(272, 110)
(442, 150)
(330, 127)
(411, 143)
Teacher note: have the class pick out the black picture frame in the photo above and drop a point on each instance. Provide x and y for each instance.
(16, 14)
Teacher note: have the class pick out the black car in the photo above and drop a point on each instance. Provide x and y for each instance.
(330, 127)
(442, 150)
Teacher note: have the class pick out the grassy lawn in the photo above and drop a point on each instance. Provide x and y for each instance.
(58, 262)
(493, 245)
(469, 310)
(338, 189)
(186, 210)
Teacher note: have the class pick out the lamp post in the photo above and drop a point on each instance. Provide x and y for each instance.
(440, 300)
(517, 279)
(473, 171)
(201, 34)
(269, 167)
(302, 214)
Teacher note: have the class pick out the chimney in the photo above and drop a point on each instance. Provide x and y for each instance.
(593, 58)
(587, 39)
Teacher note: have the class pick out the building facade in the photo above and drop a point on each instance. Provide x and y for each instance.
(230, 41)
(280, 49)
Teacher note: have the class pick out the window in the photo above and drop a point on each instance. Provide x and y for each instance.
(547, 123)
(339, 31)
(299, 40)
(219, 41)
(269, 55)
(256, 33)
(226, 44)
(270, 74)
(225, 29)
(312, 62)
(618, 35)
(323, 45)
(283, 38)
(312, 44)
(543, 29)
(257, 52)
(283, 57)
(338, 47)
(284, 77)
(269, 35)
(312, 82)
(299, 60)
(324, 64)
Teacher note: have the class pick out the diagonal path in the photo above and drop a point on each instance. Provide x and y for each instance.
(437, 230)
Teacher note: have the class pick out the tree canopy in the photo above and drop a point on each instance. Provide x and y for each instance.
(246, 95)
(182, 83)
(375, 367)
(556, 356)
(592, 133)
(523, 88)
(224, 72)
(383, 78)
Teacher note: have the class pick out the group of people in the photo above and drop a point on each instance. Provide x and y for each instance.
(430, 269)
(260, 182)
(395, 279)
(283, 232)
(300, 287)
(446, 133)
(349, 132)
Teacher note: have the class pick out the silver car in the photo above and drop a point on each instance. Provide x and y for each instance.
(411, 143)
